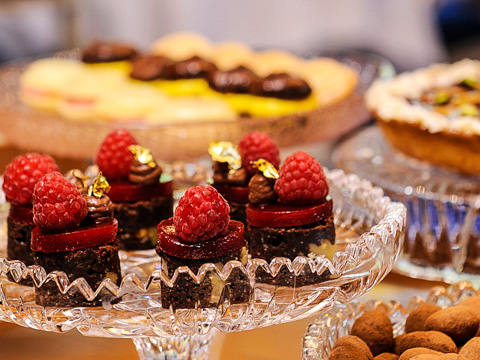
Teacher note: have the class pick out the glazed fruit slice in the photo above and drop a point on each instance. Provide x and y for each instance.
(80, 238)
(236, 194)
(281, 215)
(218, 246)
(127, 192)
(22, 214)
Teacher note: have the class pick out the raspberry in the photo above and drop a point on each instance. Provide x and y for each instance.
(21, 175)
(202, 213)
(113, 157)
(258, 145)
(301, 180)
(57, 204)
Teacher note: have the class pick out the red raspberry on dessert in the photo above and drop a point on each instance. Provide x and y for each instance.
(201, 232)
(256, 145)
(22, 174)
(113, 157)
(141, 196)
(301, 180)
(298, 223)
(57, 204)
(75, 234)
(202, 213)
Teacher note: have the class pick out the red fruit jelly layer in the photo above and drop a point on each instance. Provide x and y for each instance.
(282, 215)
(21, 214)
(80, 238)
(222, 245)
(236, 194)
(126, 192)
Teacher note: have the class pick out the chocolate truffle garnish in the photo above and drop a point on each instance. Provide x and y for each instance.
(227, 163)
(144, 170)
(261, 185)
(149, 67)
(192, 68)
(281, 86)
(238, 80)
(99, 206)
(104, 52)
(374, 327)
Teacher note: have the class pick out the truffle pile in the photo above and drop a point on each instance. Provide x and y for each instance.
(430, 333)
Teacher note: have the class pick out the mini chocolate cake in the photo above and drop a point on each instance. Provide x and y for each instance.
(221, 240)
(299, 223)
(232, 168)
(140, 199)
(20, 177)
(75, 234)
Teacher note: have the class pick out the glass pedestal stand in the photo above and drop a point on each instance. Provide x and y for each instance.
(369, 228)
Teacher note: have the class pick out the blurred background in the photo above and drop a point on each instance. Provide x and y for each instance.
(410, 33)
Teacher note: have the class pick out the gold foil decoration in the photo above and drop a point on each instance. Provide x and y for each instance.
(78, 175)
(226, 152)
(99, 187)
(142, 155)
(266, 168)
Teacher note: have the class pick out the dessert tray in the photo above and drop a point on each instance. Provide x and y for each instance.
(331, 325)
(443, 223)
(34, 130)
(369, 235)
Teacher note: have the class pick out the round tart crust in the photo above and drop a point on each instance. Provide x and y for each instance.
(420, 132)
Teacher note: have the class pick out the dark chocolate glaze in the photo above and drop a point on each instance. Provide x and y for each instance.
(103, 52)
(281, 86)
(192, 68)
(236, 81)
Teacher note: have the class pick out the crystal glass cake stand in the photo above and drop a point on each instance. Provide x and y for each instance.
(49, 133)
(443, 226)
(333, 324)
(369, 229)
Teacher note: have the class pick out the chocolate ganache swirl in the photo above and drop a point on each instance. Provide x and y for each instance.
(144, 170)
(99, 206)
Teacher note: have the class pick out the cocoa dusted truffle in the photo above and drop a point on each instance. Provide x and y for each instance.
(434, 340)
(417, 317)
(411, 353)
(102, 52)
(386, 356)
(374, 327)
(281, 86)
(353, 342)
(458, 322)
(192, 68)
(471, 349)
(238, 80)
(149, 67)
(342, 353)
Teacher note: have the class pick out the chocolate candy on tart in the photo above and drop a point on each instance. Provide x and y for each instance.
(140, 199)
(237, 81)
(148, 67)
(281, 86)
(299, 223)
(104, 52)
(232, 168)
(19, 180)
(76, 234)
(201, 232)
(192, 68)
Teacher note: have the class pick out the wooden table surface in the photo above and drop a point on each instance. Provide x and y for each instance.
(275, 342)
